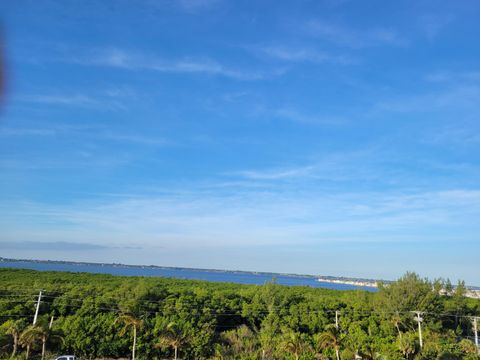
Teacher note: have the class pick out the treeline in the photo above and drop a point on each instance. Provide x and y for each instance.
(104, 316)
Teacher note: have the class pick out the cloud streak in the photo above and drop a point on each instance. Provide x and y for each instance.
(85, 133)
(135, 139)
(278, 174)
(298, 54)
(100, 101)
(355, 38)
(56, 246)
(197, 5)
(121, 59)
(78, 100)
(433, 24)
(295, 115)
(256, 218)
(463, 97)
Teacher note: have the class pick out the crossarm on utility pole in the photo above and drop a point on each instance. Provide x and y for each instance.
(419, 319)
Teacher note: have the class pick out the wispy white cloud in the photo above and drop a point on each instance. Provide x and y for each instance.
(83, 133)
(464, 96)
(51, 246)
(75, 161)
(197, 5)
(133, 138)
(121, 59)
(186, 6)
(91, 148)
(374, 167)
(253, 218)
(299, 54)
(433, 24)
(335, 167)
(77, 100)
(443, 95)
(276, 174)
(26, 132)
(458, 137)
(296, 115)
(104, 101)
(355, 38)
(446, 76)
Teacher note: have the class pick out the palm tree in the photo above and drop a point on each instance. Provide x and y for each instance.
(172, 336)
(331, 338)
(29, 337)
(44, 334)
(397, 320)
(14, 329)
(408, 344)
(242, 340)
(371, 353)
(130, 321)
(294, 344)
(34, 333)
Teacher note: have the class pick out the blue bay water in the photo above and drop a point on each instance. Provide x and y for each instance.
(182, 273)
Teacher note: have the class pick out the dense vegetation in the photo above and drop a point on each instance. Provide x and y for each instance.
(103, 316)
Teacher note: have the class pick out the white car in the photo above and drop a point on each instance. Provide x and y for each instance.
(66, 357)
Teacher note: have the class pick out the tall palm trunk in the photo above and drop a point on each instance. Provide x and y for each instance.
(397, 325)
(44, 346)
(399, 332)
(134, 341)
(28, 351)
(15, 345)
(337, 352)
(176, 352)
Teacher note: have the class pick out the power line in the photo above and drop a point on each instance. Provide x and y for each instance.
(229, 313)
(346, 310)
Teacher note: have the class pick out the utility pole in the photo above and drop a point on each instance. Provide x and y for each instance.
(475, 330)
(38, 307)
(337, 353)
(419, 319)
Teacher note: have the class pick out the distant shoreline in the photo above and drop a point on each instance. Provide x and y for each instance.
(472, 291)
(355, 282)
(326, 278)
(321, 278)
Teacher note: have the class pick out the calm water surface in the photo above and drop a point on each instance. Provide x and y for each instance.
(208, 275)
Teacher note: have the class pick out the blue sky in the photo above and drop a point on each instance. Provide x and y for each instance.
(328, 137)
